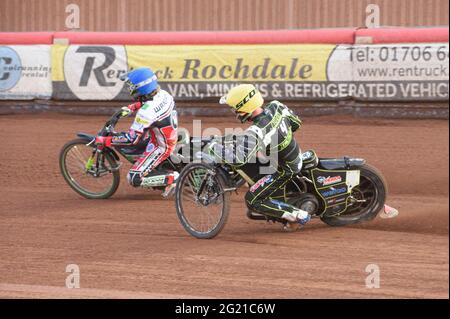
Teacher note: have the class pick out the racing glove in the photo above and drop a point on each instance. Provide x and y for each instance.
(218, 151)
(127, 110)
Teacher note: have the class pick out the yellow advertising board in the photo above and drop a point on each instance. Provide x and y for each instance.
(233, 62)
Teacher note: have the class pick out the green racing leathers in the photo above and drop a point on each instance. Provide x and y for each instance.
(271, 133)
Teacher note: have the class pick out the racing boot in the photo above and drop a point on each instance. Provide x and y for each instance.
(296, 219)
(169, 191)
(159, 179)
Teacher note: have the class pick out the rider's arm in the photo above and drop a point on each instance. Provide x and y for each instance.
(134, 135)
(148, 114)
(134, 106)
(295, 121)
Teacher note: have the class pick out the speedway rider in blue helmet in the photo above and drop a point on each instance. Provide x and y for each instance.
(155, 125)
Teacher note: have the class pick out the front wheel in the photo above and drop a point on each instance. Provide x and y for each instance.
(367, 199)
(201, 201)
(93, 175)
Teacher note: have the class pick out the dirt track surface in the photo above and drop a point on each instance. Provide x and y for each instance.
(132, 245)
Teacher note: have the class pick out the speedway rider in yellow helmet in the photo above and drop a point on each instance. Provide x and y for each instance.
(272, 129)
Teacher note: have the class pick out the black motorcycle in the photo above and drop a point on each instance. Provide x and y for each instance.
(339, 191)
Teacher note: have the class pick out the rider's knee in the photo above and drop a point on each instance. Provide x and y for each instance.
(250, 200)
(134, 178)
(248, 197)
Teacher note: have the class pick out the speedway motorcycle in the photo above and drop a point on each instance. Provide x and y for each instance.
(93, 171)
(339, 191)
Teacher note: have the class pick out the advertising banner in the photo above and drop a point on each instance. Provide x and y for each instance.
(401, 72)
(392, 72)
(189, 72)
(88, 72)
(25, 72)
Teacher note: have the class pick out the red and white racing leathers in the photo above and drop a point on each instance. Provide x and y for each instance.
(157, 117)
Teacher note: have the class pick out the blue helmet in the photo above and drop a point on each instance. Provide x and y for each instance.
(141, 82)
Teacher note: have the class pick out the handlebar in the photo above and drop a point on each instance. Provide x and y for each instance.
(115, 118)
(111, 123)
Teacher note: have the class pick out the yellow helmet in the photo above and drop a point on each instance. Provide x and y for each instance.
(244, 98)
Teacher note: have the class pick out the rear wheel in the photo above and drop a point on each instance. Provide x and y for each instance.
(91, 174)
(367, 199)
(202, 204)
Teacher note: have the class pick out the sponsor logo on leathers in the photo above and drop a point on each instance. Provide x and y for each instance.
(334, 191)
(329, 180)
(261, 182)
